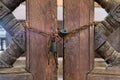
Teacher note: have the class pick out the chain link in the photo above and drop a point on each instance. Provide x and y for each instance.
(73, 32)
(57, 38)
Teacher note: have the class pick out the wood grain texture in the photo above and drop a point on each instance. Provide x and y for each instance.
(91, 35)
(27, 36)
(77, 57)
(17, 76)
(60, 44)
(106, 70)
(84, 40)
(72, 47)
(102, 72)
(42, 17)
(103, 77)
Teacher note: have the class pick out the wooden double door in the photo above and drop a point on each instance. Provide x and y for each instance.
(78, 50)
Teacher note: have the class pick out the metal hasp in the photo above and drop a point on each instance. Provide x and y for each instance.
(17, 47)
(53, 46)
(106, 28)
(63, 32)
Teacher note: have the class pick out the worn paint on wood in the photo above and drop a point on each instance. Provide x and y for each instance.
(77, 56)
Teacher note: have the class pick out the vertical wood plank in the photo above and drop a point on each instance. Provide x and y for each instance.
(72, 46)
(91, 34)
(28, 37)
(85, 39)
(92, 47)
(42, 17)
(77, 50)
(60, 44)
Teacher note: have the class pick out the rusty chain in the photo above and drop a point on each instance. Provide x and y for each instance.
(54, 38)
(70, 34)
(79, 29)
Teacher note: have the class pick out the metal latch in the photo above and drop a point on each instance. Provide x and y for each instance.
(53, 46)
(63, 32)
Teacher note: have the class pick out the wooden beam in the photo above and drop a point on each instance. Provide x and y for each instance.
(16, 76)
(60, 3)
(42, 20)
(103, 77)
(77, 55)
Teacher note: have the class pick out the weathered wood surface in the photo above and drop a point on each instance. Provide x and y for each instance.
(106, 71)
(91, 34)
(114, 39)
(12, 70)
(77, 55)
(103, 77)
(100, 67)
(60, 44)
(102, 72)
(18, 72)
(41, 17)
(16, 76)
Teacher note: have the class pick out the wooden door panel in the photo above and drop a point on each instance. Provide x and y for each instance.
(79, 53)
(42, 20)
